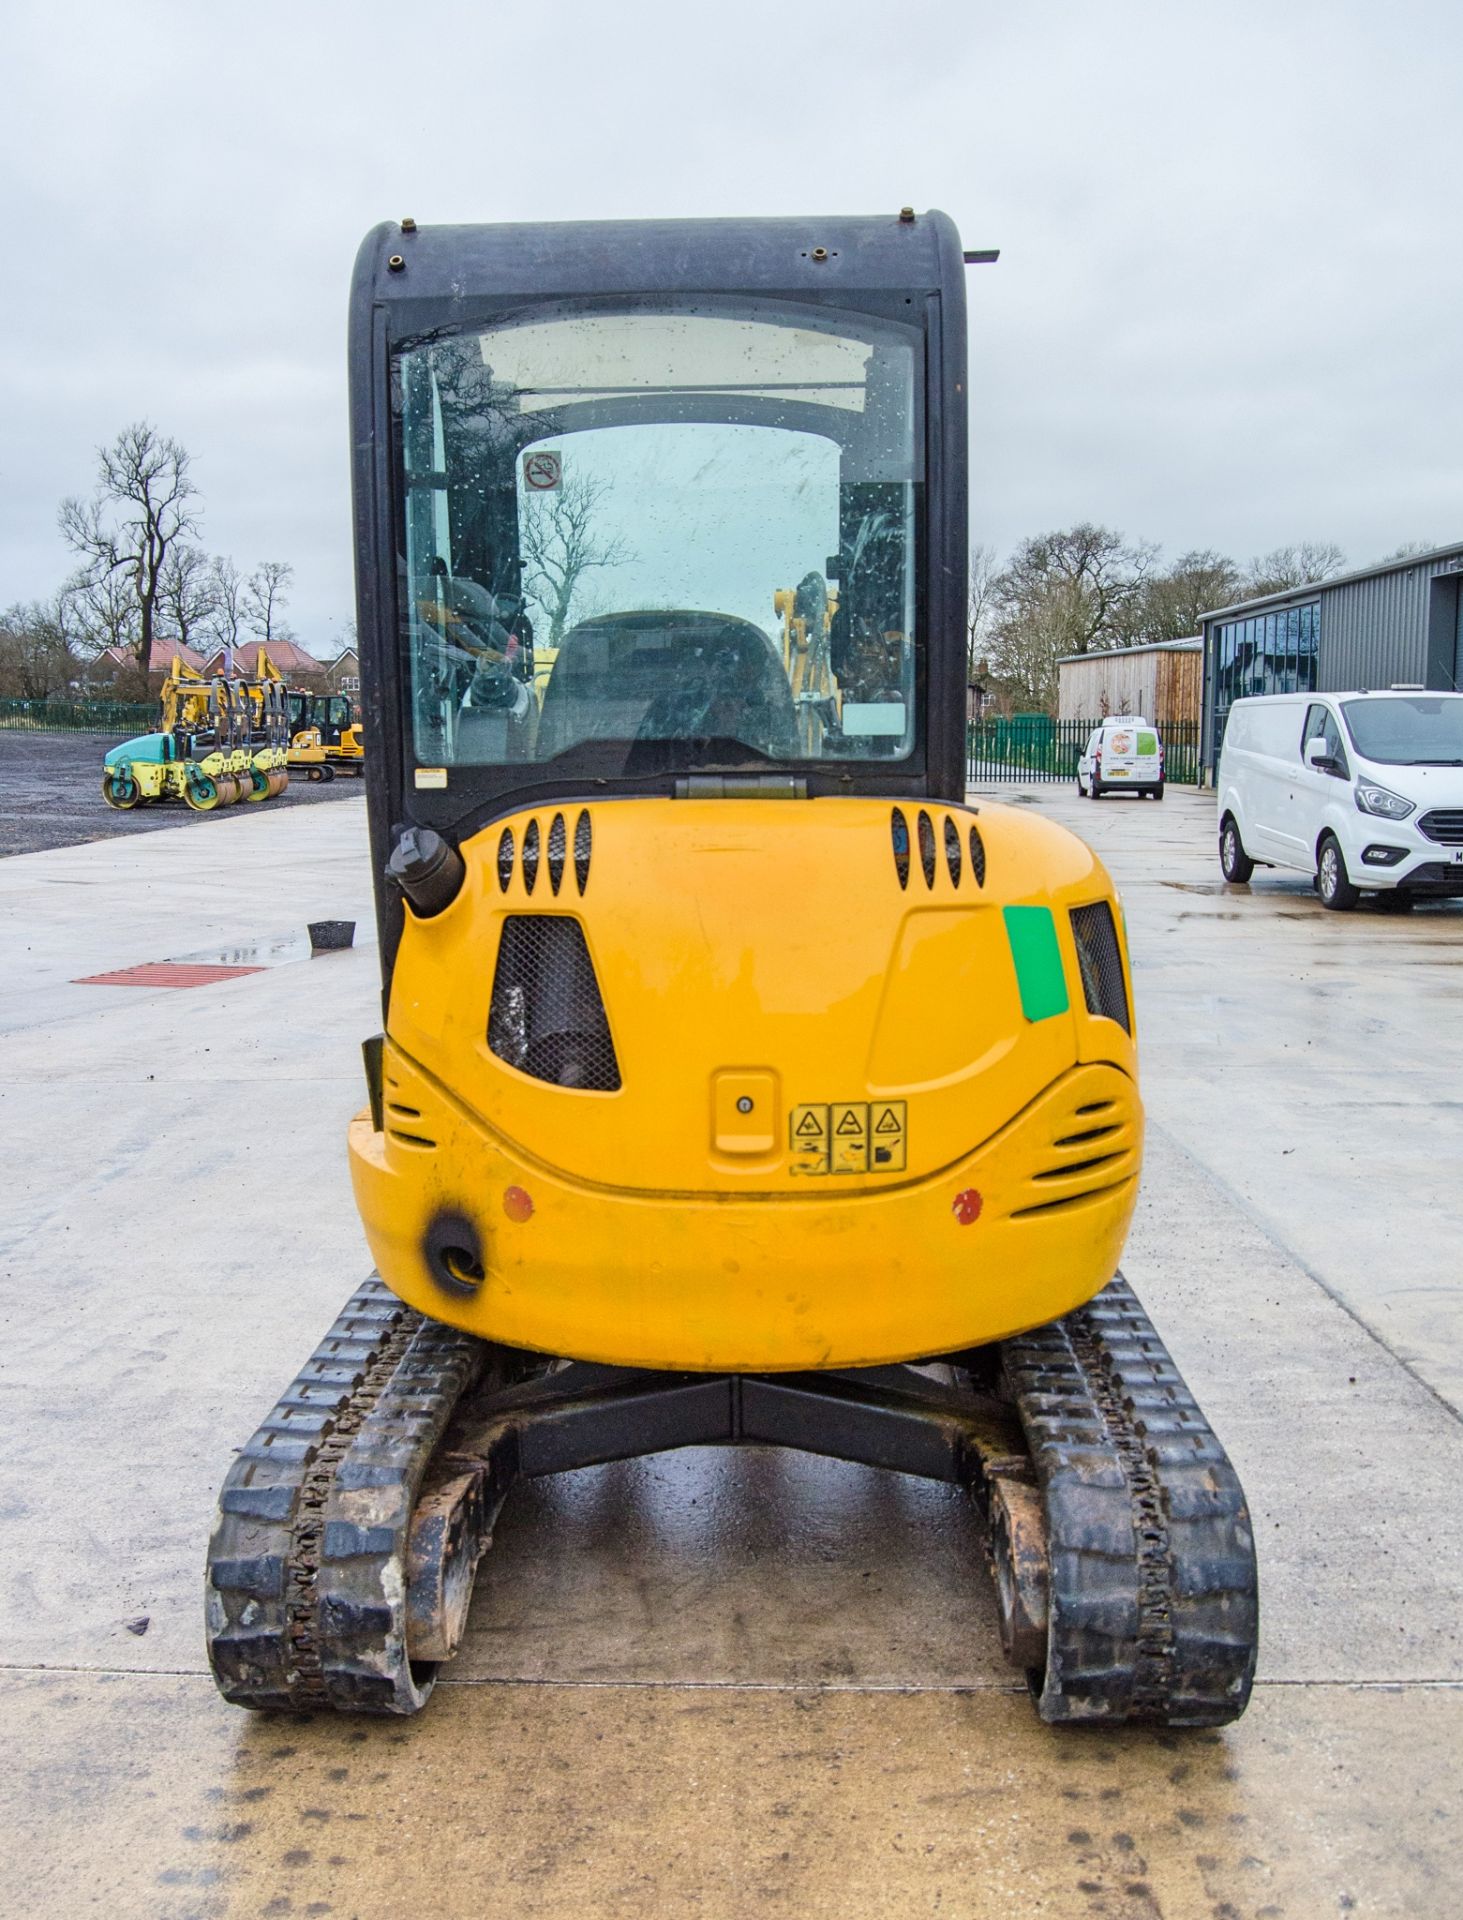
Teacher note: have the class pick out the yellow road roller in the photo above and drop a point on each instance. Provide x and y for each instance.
(740, 1081)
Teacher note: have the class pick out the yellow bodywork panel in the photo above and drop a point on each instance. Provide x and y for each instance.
(760, 967)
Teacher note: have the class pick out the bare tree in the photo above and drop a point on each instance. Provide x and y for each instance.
(1026, 645)
(1170, 602)
(980, 607)
(1298, 566)
(560, 547)
(1084, 578)
(39, 656)
(103, 612)
(226, 601)
(263, 600)
(185, 591)
(142, 504)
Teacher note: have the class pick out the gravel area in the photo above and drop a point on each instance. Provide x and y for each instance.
(51, 795)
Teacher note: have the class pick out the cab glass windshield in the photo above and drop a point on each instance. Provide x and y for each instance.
(1415, 731)
(646, 540)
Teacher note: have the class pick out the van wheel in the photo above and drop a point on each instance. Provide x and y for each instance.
(1236, 864)
(1157, 791)
(1334, 887)
(1094, 792)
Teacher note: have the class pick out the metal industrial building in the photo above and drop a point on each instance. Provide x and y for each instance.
(1399, 623)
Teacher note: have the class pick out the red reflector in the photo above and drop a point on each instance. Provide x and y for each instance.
(966, 1206)
(164, 973)
(517, 1204)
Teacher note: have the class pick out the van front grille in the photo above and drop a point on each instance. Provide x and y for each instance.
(1443, 824)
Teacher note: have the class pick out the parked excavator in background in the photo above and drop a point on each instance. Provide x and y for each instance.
(325, 736)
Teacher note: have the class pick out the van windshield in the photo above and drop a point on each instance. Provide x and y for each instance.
(1421, 731)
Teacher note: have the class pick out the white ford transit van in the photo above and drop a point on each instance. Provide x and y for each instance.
(1123, 754)
(1363, 790)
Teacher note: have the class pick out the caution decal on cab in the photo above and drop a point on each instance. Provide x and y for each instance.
(848, 1136)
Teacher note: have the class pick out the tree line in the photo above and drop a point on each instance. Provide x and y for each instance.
(1087, 588)
(141, 577)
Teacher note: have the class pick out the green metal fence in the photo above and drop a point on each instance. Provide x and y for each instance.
(1032, 746)
(124, 719)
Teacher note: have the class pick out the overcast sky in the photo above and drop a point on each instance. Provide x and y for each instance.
(1226, 312)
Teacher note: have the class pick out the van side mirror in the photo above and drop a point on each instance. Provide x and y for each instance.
(1318, 756)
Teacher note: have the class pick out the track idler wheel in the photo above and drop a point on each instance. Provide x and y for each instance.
(449, 1535)
(1019, 1564)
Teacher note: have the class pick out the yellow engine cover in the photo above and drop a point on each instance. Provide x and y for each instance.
(863, 1111)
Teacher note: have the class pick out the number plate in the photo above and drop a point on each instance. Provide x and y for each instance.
(1458, 856)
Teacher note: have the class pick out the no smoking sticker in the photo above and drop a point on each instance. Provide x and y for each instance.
(542, 472)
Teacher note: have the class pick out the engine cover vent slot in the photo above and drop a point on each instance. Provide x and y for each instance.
(977, 856)
(530, 855)
(927, 847)
(952, 850)
(1101, 962)
(505, 859)
(583, 844)
(899, 829)
(547, 1018)
(557, 839)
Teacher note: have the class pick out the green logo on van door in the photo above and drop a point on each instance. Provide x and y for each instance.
(1147, 743)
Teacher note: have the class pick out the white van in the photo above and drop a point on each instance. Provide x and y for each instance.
(1363, 790)
(1123, 754)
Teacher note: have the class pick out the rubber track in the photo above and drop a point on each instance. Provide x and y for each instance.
(1154, 1610)
(306, 1593)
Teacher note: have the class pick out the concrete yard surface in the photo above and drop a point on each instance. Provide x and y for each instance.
(720, 1683)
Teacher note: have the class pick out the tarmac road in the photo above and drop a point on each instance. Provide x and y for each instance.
(722, 1684)
(51, 794)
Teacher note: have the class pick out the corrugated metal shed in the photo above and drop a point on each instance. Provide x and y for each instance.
(1380, 625)
(1163, 682)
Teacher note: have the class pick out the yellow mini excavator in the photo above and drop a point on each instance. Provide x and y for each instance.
(741, 1082)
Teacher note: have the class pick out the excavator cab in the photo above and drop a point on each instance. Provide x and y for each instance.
(740, 1080)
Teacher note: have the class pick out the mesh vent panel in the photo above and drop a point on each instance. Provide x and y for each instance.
(1101, 962)
(547, 1017)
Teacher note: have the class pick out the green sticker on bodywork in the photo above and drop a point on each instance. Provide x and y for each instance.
(1033, 936)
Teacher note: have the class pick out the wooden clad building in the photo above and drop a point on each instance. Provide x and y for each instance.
(1164, 682)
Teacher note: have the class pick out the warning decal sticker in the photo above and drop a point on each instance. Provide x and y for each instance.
(808, 1131)
(848, 1136)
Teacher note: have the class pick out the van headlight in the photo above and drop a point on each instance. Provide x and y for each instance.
(1390, 806)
